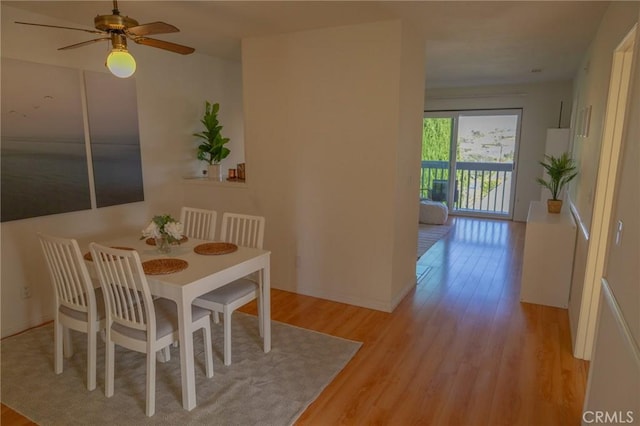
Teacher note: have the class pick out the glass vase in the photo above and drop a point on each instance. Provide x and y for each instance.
(163, 245)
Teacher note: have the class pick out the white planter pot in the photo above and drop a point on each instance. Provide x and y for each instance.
(214, 172)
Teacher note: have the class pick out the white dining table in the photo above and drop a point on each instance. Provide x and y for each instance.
(203, 274)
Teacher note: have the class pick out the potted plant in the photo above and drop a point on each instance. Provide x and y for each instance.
(561, 171)
(212, 149)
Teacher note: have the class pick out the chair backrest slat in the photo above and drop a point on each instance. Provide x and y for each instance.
(68, 273)
(243, 230)
(199, 223)
(129, 300)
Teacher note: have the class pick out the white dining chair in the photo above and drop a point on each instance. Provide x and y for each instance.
(199, 223)
(78, 306)
(136, 320)
(243, 230)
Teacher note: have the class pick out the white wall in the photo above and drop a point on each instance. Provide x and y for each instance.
(614, 374)
(171, 90)
(326, 154)
(591, 87)
(408, 164)
(540, 105)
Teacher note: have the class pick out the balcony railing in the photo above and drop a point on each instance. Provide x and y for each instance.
(480, 187)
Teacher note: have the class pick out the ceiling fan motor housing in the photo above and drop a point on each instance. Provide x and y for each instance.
(114, 22)
(118, 41)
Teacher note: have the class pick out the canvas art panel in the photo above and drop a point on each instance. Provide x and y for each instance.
(115, 143)
(43, 155)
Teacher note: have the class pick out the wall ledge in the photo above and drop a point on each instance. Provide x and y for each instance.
(215, 183)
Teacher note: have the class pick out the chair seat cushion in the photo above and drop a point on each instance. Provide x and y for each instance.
(433, 213)
(166, 320)
(82, 316)
(230, 292)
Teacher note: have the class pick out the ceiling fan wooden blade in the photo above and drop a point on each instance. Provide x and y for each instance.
(58, 26)
(84, 43)
(161, 44)
(152, 28)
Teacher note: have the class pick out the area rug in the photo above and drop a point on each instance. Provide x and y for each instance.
(257, 388)
(428, 235)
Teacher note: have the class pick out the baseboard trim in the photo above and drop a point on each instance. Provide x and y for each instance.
(378, 305)
(349, 300)
(403, 293)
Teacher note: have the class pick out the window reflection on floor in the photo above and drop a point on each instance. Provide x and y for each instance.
(482, 231)
(483, 248)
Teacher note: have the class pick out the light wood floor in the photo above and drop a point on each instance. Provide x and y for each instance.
(460, 349)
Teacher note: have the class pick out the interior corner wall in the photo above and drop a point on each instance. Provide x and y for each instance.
(410, 113)
(321, 111)
(540, 105)
(170, 105)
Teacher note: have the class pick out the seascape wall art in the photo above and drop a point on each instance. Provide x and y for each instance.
(115, 142)
(48, 163)
(43, 154)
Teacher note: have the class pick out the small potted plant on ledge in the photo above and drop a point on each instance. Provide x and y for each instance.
(561, 171)
(212, 149)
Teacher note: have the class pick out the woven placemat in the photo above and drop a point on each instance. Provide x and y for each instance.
(164, 266)
(87, 255)
(152, 241)
(215, 248)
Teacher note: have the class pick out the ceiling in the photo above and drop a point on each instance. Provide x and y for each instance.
(468, 43)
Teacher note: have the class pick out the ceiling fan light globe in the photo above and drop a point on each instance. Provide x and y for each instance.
(121, 63)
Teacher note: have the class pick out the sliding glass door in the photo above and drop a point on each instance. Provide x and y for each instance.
(468, 160)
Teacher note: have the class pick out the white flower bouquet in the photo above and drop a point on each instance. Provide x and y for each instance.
(164, 226)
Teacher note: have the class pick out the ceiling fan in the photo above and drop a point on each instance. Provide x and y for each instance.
(117, 29)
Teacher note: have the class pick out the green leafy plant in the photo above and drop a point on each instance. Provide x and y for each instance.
(212, 149)
(561, 171)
